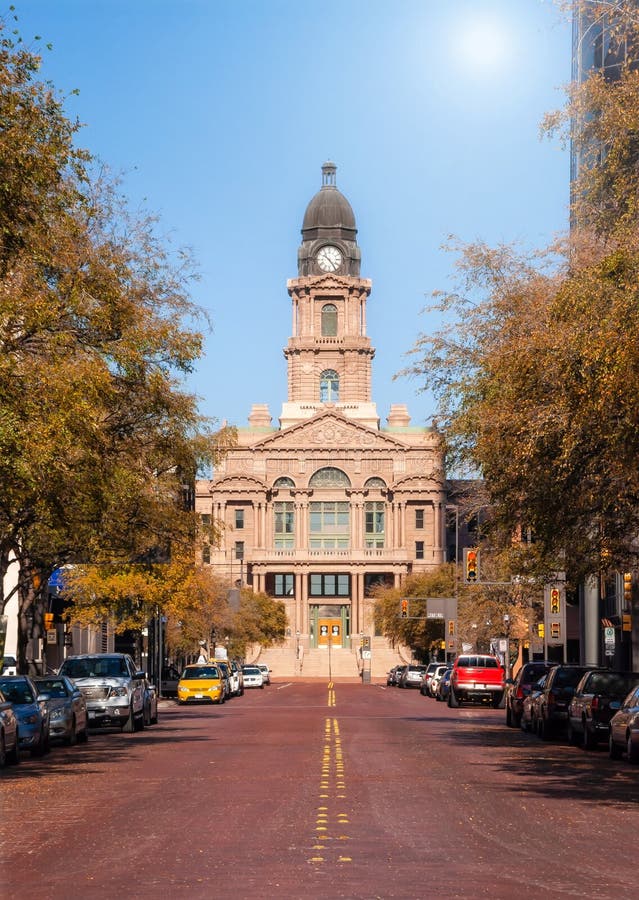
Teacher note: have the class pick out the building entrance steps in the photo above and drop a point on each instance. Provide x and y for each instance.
(344, 663)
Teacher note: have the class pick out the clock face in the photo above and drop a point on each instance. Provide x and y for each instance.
(329, 258)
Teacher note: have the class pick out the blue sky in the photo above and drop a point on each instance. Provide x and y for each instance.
(220, 115)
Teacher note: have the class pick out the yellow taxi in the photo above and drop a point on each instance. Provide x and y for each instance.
(199, 682)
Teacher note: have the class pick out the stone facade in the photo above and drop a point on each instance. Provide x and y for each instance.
(320, 509)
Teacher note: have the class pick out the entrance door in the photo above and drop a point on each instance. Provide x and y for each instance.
(329, 630)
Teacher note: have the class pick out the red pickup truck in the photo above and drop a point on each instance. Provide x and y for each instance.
(477, 677)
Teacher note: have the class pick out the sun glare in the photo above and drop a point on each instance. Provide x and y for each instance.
(485, 45)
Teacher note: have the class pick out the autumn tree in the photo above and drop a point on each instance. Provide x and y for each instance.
(537, 368)
(98, 437)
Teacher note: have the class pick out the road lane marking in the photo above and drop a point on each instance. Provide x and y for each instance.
(330, 815)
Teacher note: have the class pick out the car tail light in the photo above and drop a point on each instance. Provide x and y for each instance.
(520, 693)
(595, 703)
(551, 699)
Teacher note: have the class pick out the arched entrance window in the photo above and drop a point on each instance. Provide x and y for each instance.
(329, 477)
(329, 320)
(329, 386)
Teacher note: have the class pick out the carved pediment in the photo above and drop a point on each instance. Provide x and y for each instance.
(239, 484)
(329, 429)
(428, 481)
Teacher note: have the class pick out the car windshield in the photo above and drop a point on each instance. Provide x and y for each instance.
(420, 669)
(567, 677)
(191, 673)
(17, 691)
(251, 670)
(55, 687)
(92, 666)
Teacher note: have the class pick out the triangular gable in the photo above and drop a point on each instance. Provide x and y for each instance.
(239, 483)
(329, 428)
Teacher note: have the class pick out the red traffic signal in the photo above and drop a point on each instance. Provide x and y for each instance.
(554, 602)
(404, 609)
(471, 565)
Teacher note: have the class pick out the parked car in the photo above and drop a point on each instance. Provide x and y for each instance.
(477, 677)
(237, 668)
(170, 678)
(623, 736)
(431, 668)
(113, 687)
(9, 737)
(226, 675)
(436, 678)
(597, 698)
(529, 705)
(412, 676)
(399, 671)
(551, 709)
(443, 686)
(150, 703)
(68, 718)
(31, 712)
(518, 688)
(390, 677)
(9, 666)
(202, 682)
(253, 677)
(266, 672)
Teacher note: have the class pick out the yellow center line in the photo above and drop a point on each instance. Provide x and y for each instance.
(332, 786)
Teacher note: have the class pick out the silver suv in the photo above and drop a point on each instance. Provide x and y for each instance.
(112, 687)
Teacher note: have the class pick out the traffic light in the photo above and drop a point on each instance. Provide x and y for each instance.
(626, 622)
(451, 627)
(48, 621)
(540, 630)
(627, 589)
(366, 642)
(555, 631)
(471, 565)
(554, 602)
(404, 609)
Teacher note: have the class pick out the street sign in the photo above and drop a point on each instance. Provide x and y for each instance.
(609, 641)
(52, 636)
(367, 654)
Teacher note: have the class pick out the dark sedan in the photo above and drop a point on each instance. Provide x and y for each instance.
(552, 704)
(597, 698)
(519, 687)
(31, 711)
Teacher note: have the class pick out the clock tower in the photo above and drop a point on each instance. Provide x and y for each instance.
(329, 355)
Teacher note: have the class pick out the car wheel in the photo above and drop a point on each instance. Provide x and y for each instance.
(509, 717)
(13, 756)
(498, 701)
(453, 701)
(588, 741)
(544, 730)
(572, 736)
(154, 719)
(83, 736)
(632, 750)
(614, 752)
(41, 747)
(129, 725)
(72, 738)
(524, 725)
(139, 722)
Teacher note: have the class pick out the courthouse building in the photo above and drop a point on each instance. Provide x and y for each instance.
(322, 506)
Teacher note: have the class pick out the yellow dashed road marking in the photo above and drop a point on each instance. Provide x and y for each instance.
(332, 780)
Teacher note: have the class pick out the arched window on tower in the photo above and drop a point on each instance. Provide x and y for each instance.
(329, 386)
(329, 320)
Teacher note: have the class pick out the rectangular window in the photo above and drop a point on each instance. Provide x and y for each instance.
(239, 518)
(284, 525)
(239, 549)
(206, 519)
(419, 549)
(329, 585)
(419, 518)
(284, 585)
(329, 525)
(374, 524)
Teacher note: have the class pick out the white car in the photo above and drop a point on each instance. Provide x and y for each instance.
(253, 677)
(266, 672)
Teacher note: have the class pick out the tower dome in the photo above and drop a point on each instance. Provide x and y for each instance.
(329, 214)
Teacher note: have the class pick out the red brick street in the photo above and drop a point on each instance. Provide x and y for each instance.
(320, 790)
